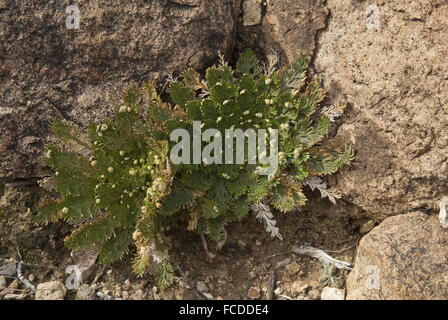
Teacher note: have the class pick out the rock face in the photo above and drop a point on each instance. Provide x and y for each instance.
(295, 24)
(288, 27)
(405, 257)
(53, 290)
(388, 60)
(48, 71)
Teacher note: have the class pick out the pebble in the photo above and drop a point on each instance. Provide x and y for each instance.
(12, 296)
(2, 282)
(253, 293)
(293, 268)
(137, 295)
(125, 295)
(127, 284)
(241, 243)
(314, 294)
(299, 286)
(8, 270)
(202, 287)
(52, 290)
(278, 291)
(85, 292)
(332, 294)
(208, 295)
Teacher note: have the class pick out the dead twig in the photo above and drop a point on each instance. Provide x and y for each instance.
(271, 285)
(322, 256)
(343, 249)
(106, 296)
(209, 255)
(22, 279)
(221, 242)
(99, 273)
(272, 278)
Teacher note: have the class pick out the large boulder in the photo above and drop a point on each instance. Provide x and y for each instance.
(388, 60)
(405, 257)
(48, 71)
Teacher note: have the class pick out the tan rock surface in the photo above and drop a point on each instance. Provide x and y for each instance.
(388, 60)
(405, 257)
(48, 71)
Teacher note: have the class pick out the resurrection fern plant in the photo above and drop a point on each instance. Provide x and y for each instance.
(119, 187)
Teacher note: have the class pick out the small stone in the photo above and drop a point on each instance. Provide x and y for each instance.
(367, 226)
(253, 293)
(137, 295)
(127, 284)
(332, 294)
(258, 242)
(125, 295)
(12, 296)
(241, 243)
(314, 294)
(8, 270)
(299, 286)
(52, 290)
(278, 291)
(31, 277)
(2, 282)
(58, 274)
(85, 292)
(202, 287)
(208, 295)
(117, 290)
(140, 284)
(293, 268)
(283, 263)
(314, 283)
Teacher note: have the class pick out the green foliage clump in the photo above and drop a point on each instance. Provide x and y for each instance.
(116, 182)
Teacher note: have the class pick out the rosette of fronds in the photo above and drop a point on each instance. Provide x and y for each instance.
(251, 97)
(111, 181)
(120, 187)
